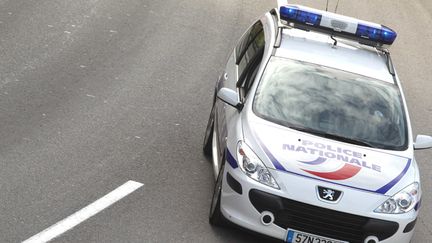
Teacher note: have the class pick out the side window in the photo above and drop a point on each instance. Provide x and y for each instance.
(248, 57)
(249, 46)
(250, 76)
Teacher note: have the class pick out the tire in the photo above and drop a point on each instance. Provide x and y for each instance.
(208, 136)
(216, 217)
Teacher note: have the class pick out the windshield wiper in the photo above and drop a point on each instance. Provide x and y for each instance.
(333, 136)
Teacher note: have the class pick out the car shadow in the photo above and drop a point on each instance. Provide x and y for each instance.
(236, 234)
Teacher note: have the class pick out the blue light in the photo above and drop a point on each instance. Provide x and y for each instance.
(382, 35)
(293, 14)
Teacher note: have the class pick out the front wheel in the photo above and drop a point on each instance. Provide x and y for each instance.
(208, 136)
(216, 217)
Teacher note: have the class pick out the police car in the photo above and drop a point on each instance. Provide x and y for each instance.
(309, 133)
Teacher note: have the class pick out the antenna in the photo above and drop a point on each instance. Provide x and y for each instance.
(327, 6)
(337, 5)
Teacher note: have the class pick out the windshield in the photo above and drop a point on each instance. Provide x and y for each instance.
(332, 103)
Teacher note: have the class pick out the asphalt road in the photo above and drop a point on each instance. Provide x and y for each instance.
(95, 93)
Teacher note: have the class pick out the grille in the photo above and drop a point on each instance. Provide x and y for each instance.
(321, 221)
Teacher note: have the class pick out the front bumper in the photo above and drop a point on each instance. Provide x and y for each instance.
(243, 201)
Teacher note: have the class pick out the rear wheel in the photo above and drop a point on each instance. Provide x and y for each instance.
(216, 217)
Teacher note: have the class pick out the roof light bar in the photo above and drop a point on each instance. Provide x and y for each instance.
(338, 25)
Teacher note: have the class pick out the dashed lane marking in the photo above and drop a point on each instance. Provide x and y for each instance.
(73, 220)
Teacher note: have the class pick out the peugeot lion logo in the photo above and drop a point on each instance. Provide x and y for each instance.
(328, 195)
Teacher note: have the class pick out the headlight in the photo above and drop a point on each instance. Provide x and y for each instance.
(402, 202)
(252, 166)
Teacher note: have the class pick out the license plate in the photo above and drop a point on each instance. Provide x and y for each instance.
(295, 236)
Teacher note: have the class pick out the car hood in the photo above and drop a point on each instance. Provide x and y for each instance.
(318, 158)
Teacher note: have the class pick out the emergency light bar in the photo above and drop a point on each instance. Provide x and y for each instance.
(337, 25)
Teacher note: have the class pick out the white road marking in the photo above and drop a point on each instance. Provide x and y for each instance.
(85, 213)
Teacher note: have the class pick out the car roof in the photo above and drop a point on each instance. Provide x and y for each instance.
(350, 56)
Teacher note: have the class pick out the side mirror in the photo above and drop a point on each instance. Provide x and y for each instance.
(230, 97)
(423, 142)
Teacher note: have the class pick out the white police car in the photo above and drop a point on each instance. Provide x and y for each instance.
(309, 134)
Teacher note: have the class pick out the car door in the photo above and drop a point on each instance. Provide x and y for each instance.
(239, 74)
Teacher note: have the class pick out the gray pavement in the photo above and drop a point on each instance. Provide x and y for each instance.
(95, 93)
